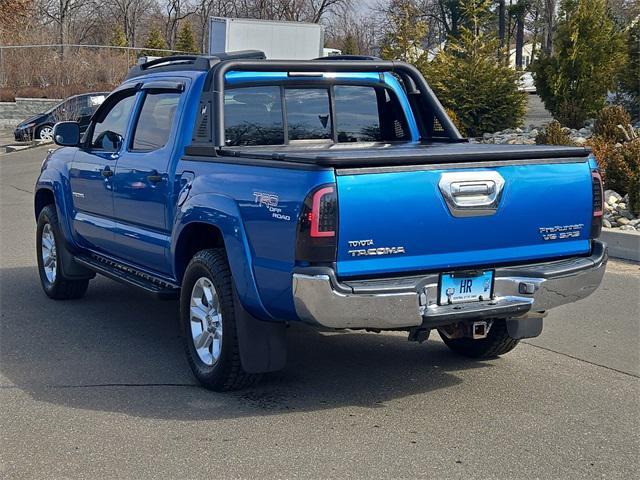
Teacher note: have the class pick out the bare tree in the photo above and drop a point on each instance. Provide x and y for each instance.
(174, 12)
(549, 23)
(129, 15)
(60, 13)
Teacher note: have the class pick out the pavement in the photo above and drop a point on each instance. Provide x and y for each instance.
(536, 114)
(100, 388)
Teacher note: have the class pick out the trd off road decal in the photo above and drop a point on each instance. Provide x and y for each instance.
(271, 202)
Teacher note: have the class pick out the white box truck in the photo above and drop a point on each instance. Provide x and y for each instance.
(278, 40)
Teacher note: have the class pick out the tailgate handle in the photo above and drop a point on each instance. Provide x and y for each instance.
(485, 188)
(472, 194)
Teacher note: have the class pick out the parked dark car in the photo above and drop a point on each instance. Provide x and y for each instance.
(78, 108)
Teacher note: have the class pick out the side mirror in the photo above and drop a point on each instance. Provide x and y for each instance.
(66, 134)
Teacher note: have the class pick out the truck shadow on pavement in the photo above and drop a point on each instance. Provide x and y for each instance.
(119, 350)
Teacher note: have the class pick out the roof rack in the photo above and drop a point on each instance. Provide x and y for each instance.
(347, 57)
(200, 63)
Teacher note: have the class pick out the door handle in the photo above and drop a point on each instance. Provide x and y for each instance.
(106, 172)
(154, 177)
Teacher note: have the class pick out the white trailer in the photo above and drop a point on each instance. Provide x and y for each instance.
(278, 40)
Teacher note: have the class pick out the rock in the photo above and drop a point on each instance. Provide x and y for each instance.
(566, 129)
(623, 221)
(606, 223)
(487, 136)
(612, 200)
(627, 227)
(635, 222)
(626, 214)
(610, 193)
(621, 206)
(579, 140)
(519, 130)
(533, 132)
(585, 132)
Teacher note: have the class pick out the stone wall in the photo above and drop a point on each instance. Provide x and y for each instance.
(12, 113)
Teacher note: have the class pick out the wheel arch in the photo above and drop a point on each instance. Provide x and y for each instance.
(194, 237)
(44, 196)
(217, 221)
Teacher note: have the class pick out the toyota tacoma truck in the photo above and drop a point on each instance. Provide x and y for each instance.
(334, 192)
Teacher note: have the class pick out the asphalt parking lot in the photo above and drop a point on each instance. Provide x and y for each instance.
(100, 388)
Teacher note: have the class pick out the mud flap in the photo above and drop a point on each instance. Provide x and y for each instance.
(527, 327)
(70, 268)
(262, 344)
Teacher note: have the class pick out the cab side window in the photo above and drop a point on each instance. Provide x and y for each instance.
(110, 128)
(155, 120)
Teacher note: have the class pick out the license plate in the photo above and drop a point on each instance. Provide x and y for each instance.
(465, 287)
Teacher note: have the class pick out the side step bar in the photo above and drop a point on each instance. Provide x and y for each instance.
(125, 274)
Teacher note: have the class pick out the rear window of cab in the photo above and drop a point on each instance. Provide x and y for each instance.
(276, 115)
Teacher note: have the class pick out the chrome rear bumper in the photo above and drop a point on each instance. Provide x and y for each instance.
(412, 301)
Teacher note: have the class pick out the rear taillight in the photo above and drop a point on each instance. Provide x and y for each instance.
(598, 203)
(317, 226)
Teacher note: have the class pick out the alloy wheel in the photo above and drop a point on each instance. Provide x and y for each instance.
(206, 321)
(49, 253)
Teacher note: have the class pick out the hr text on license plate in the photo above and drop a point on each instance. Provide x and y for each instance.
(465, 287)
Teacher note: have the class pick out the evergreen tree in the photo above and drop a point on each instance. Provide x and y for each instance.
(472, 81)
(119, 39)
(154, 40)
(186, 42)
(349, 45)
(407, 29)
(630, 77)
(587, 55)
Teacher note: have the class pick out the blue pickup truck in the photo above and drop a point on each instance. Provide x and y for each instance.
(334, 192)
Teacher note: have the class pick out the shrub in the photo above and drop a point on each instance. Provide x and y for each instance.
(620, 167)
(456, 121)
(607, 123)
(571, 113)
(588, 53)
(553, 135)
(471, 79)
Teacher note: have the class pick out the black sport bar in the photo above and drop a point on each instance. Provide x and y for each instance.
(404, 70)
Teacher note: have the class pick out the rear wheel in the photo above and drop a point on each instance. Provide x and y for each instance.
(498, 342)
(49, 243)
(208, 323)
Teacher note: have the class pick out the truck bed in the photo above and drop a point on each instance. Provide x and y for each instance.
(380, 155)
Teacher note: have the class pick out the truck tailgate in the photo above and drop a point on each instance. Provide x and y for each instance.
(418, 218)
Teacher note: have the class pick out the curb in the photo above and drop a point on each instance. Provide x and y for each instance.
(20, 147)
(622, 244)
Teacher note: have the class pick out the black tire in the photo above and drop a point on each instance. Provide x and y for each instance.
(226, 373)
(59, 287)
(498, 342)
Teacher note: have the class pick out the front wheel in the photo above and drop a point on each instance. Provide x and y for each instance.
(45, 132)
(497, 342)
(208, 323)
(49, 243)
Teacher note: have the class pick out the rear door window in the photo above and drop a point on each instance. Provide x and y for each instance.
(308, 113)
(253, 116)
